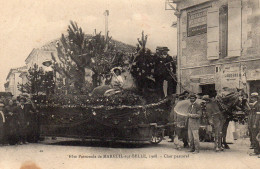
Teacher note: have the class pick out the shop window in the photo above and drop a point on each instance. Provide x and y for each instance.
(223, 31)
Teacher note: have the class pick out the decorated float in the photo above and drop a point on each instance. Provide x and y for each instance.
(95, 91)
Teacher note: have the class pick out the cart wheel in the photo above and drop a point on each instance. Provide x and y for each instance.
(156, 139)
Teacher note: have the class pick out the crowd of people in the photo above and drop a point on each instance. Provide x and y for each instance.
(188, 129)
(19, 123)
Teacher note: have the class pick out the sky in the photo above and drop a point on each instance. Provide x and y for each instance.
(29, 24)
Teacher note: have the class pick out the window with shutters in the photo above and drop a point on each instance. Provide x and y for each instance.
(234, 27)
(223, 31)
(213, 33)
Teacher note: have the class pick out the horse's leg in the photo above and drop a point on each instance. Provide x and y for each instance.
(217, 131)
(216, 137)
(220, 128)
(224, 134)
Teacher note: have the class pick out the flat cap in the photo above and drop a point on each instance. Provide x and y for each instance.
(205, 97)
(193, 95)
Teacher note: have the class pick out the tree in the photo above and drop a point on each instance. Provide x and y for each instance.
(142, 66)
(76, 52)
(73, 56)
(35, 81)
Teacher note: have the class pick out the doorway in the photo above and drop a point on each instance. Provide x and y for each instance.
(254, 86)
(208, 89)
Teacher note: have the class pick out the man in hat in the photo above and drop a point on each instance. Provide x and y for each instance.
(164, 67)
(22, 114)
(254, 123)
(10, 128)
(194, 114)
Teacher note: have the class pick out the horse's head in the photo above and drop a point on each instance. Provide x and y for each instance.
(238, 106)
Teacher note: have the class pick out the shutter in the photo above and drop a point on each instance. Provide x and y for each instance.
(213, 33)
(234, 28)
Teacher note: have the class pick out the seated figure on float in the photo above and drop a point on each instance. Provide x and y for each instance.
(117, 82)
(115, 86)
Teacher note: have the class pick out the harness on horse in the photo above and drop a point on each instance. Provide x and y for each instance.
(226, 106)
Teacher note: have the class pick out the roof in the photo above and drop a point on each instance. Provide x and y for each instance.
(5, 94)
(30, 55)
(24, 73)
(16, 70)
(50, 47)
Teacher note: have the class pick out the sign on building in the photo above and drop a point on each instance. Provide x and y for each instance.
(197, 22)
(231, 76)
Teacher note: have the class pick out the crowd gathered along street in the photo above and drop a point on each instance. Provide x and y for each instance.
(67, 152)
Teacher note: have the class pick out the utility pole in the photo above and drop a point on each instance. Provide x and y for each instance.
(106, 13)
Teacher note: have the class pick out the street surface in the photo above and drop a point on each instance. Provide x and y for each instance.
(66, 153)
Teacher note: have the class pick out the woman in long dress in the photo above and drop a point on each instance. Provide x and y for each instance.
(117, 81)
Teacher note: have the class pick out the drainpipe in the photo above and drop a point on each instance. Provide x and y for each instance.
(178, 14)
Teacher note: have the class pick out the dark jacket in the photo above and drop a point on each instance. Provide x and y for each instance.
(9, 112)
(162, 64)
(195, 114)
(256, 115)
(23, 115)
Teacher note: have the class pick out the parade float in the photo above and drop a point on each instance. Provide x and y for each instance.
(75, 99)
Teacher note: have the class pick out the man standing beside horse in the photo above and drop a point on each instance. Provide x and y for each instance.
(194, 114)
(255, 120)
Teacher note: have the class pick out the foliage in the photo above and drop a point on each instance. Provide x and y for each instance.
(77, 52)
(126, 97)
(142, 65)
(35, 81)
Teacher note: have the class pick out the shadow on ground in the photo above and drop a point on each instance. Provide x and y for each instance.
(109, 144)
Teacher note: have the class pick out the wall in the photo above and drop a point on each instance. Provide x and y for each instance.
(195, 67)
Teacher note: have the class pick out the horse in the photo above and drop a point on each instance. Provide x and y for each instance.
(218, 113)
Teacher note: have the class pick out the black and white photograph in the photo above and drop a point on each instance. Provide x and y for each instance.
(135, 84)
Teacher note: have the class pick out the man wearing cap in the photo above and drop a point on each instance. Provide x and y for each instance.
(251, 116)
(194, 114)
(254, 122)
(163, 64)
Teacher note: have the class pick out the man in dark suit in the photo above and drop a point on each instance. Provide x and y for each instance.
(194, 114)
(22, 113)
(164, 65)
(255, 120)
(33, 132)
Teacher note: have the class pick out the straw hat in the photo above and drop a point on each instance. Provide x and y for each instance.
(116, 68)
(47, 61)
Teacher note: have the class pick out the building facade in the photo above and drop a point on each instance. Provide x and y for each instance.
(218, 45)
(13, 80)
